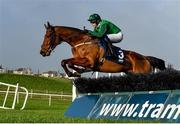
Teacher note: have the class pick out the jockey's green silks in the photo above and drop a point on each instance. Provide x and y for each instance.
(104, 27)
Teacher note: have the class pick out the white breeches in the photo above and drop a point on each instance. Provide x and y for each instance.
(115, 38)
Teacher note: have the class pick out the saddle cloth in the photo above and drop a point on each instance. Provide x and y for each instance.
(117, 52)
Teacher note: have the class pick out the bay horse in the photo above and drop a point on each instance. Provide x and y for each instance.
(88, 55)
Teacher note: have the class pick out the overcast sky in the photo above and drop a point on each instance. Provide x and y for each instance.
(150, 27)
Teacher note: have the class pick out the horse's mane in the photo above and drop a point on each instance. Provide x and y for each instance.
(71, 28)
(78, 31)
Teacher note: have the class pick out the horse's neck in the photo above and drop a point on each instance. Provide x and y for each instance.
(72, 36)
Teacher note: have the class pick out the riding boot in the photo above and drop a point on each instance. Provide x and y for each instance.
(110, 49)
(116, 54)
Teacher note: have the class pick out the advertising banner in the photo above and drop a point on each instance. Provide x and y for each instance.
(159, 105)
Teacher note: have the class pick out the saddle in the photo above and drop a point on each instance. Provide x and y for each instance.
(114, 54)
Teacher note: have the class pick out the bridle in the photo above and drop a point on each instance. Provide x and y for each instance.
(53, 37)
(52, 40)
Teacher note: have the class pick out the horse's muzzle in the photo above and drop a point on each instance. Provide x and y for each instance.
(44, 53)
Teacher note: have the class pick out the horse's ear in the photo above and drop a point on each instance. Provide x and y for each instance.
(48, 24)
(45, 26)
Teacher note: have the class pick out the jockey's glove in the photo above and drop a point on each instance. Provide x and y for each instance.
(85, 31)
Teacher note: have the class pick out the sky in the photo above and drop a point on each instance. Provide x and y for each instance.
(150, 27)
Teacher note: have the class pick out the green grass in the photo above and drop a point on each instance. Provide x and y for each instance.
(37, 109)
(41, 84)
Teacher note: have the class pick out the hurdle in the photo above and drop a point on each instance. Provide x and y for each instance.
(74, 90)
(16, 95)
(153, 102)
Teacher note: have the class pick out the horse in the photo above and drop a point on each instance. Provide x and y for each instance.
(89, 56)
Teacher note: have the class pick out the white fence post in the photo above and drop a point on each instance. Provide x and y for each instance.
(5, 97)
(31, 93)
(61, 95)
(15, 96)
(49, 100)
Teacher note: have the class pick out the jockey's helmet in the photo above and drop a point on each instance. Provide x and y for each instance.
(94, 18)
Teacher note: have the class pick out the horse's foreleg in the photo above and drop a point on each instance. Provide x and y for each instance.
(63, 64)
(80, 70)
(83, 62)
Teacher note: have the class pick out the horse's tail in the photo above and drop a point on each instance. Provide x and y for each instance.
(156, 62)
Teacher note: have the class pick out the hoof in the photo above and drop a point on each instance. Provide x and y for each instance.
(76, 74)
(70, 74)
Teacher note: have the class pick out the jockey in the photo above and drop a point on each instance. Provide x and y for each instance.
(107, 31)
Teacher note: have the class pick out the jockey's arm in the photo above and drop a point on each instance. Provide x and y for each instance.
(100, 32)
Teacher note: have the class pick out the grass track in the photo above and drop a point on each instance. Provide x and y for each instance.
(41, 84)
(37, 109)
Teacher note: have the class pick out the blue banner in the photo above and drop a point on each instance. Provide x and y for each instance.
(163, 106)
(106, 104)
(82, 106)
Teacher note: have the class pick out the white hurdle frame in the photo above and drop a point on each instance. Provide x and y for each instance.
(75, 93)
(74, 90)
(16, 93)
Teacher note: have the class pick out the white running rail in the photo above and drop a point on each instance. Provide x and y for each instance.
(17, 87)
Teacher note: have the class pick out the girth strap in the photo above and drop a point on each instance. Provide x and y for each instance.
(84, 43)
